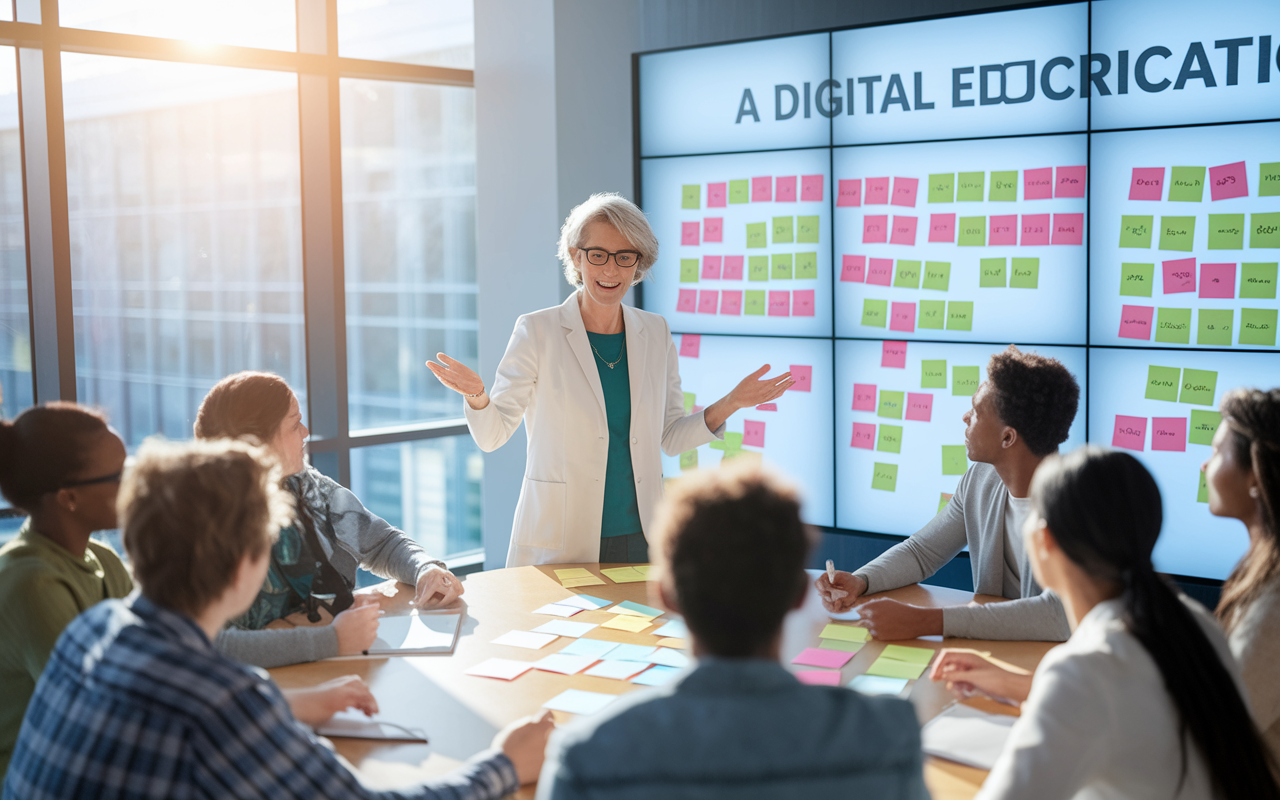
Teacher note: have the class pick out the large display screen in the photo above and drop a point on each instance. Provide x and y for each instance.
(886, 207)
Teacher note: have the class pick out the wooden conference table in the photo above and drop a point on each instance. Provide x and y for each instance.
(460, 713)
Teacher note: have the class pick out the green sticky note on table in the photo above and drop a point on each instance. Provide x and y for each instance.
(740, 191)
(845, 633)
(781, 266)
(688, 270)
(991, 273)
(1004, 186)
(889, 439)
(1186, 184)
(890, 404)
(973, 231)
(753, 302)
(907, 274)
(960, 315)
(1202, 493)
(937, 275)
(942, 187)
(911, 655)
(933, 374)
(1213, 326)
(889, 668)
(1177, 233)
(1258, 326)
(964, 381)
(955, 461)
(1269, 179)
(1204, 424)
(807, 230)
(885, 477)
(1258, 281)
(757, 268)
(806, 265)
(1025, 274)
(1226, 231)
(1264, 230)
(875, 312)
(1198, 386)
(1135, 230)
(691, 196)
(690, 400)
(757, 234)
(1163, 383)
(689, 459)
(932, 315)
(1136, 279)
(783, 230)
(840, 644)
(969, 186)
(1173, 325)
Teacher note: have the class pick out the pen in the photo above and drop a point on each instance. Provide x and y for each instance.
(831, 572)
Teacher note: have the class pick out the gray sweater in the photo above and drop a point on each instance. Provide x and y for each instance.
(974, 516)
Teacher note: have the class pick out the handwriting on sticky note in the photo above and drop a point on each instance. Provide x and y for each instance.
(902, 317)
(753, 303)
(687, 301)
(955, 460)
(890, 439)
(850, 193)
(1226, 231)
(991, 272)
(802, 303)
(937, 275)
(904, 191)
(811, 188)
(1130, 432)
(708, 301)
(1037, 184)
(959, 315)
(688, 270)
(732, 268)
(853, 269)
(717, 195)
(891, 404)
(1258, 281)
(758, 269)
(739, 191)
(970, 186)
(880, 271)
(1177, 233)
(893, 355)
(1004, 187)
(864, 397)
(731, 302)
(1228, 181)
(1002, 229)
(1218, 280)
(689, 233)
(752, 433)
(907, 274)
(964, 381)
(1135, 322)
(942, 187)
(1204, 424)
(919, 406)
(713, 229)
(875, 229)
(933, 374)
(1179, 275)
(807, 229)
(690, 345)
(691, 195)
(1135, 230)
(757, 234)
(1258, 326)
(932, 315)
(1186, 184)
(875, 313)
(1024, 273)
(1068, 229)
(1147, 183)
(1136, 279)
(783, 230)
(1173, 325)
(876, 192)
(1169, 433)
(864, 436)
(785, 189)
(711, 267)
(1198, 386)
(780, 304)
(972, 231)
(1035, 230)
(1163, 383)
(904, 231)
(1069, 182)
(782, 266)
(762, 189)
(1264, 230)
(802, 374)
(884, 477)
(942, 227)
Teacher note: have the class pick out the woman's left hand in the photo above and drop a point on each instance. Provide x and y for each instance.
(436, 588)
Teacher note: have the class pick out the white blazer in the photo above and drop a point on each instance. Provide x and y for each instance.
(548, 377)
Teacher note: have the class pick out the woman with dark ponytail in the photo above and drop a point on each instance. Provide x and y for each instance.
(1143, 701)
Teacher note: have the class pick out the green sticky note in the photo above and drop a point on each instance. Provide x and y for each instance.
(960, 315)
(1173, 325)
(688, 270)
(1136, 279)
(942, 187)
(1187, 184)
(806, 265)
(1163, 383)
(733, 440)
(1258, 326)
(1213, 326)
(911, 655)
(907, 275)
(1004, 186)
(1025, 274)
(1258, 281)
(757, 268)
(943, 499)
(844, 633)
(690, 400)
(781, 266)
(973, 231)
(1198, 386)
(691, 196)
(970, 186)
(1264, 230)
(875, 312)
(885, 477)
(933, 374)
(716, 444)
(1202, 493)
(740, 191)
(807, 230)
(1269, 179)
(889, 439)
(753, 303)
(1204, 424)
(954, 459)
(1226, 231)
(890, 404)
(1177, 233)
(991, 273)
(888, 668)
(842, 646)
(933, 314)
(757, 234)
(1135, 230)
(689, 459)
(964, 381)
(937, 275)
(783, 230)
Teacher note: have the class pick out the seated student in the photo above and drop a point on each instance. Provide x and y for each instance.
(1143, 700)
(335, 535)
(729, 554)
(1020, 415)
(136, 701)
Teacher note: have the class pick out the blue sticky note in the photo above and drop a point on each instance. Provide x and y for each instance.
(656, 676)
(596, 648)
(646, 610)
(874, 684)
(632, 652)
(675, 629)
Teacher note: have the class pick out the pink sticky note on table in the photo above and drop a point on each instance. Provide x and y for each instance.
(904, 191)
(802, 303)
(877, 192)
(803, 376)
(864, 397)
(687, 301)
(1135, 322)
(1169, 433)
(708, 301)
(779, 304)
(818, 677)
(1179, 275)
(904, 230)
(731, 302)
(767, 407)
(864, 435)
(753, 433)
(875, 229)
(854, 269)
(690, 345)
(1069, 182)
(942, 227)
(920, 406)
(811, 188)
(850, 193)
(1035, 229)
(1147, 183)
(893, 354)
(1002, 229)
(689, 233)
(732, 268)
(817, 657)
(713, 229)
(1037, 184)
(786, 189)
(902, 317)
(1068, 228)
(880, 271)
(1130, 433)
(1227, 181)
(1218, 280)
(716, 195)
(711, 268)
(762, 189)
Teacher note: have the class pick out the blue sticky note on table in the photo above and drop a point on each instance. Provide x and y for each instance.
(576, 701)
(875, 684)
(632, 652)
(646, 610)
(597, 648)
(674, 629)
(656, 676)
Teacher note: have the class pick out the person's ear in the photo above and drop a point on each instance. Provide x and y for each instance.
(66, 499)
(1008, 437)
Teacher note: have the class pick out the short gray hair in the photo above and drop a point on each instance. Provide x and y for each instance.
(623, 215)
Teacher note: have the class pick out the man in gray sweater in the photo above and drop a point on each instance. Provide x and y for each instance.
(1020, 415)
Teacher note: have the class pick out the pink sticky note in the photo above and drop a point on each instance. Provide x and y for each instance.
(904, 230)
(902, 317)
(850, 193)
(762, 189)
(864, 435)
(1037, 184)
(1069, 182)
(1227, 181)
(716, 195)
(803, 377)
(802, 303)
(818, 677)
(689, 233)
(904, 191)
(786, 189)
(767, 407)
(731, 302)
(893, 354)
(811, 188)
(690, 344)
(1218, 280)
(687, 301)
(920, 406)
(1179, 275)
(1068, 228)
(864, 397)
(877, 192)
(713, 229)
(753, 433)
(880, 271)
(1035, 229)
(817, 657)
(711, 268)
(779, 304)
(875, 229)
(1147, 183)
(708, 301)
(1135, 322)
(942, 227)
(1130, 433)
(854, 269)
(1169, 433)
(1002, 229)
(732, 268)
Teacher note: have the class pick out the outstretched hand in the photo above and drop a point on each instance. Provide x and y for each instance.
(460, 378)
(755, 389)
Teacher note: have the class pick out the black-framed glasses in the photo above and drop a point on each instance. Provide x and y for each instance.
(623, 258)
(113, 478)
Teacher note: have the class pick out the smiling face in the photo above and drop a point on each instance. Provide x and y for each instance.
(984, 431)
(290, 442)
(1229, 481)
(604, 285)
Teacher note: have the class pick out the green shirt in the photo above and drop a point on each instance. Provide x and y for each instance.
(621, 510)
(42, 588)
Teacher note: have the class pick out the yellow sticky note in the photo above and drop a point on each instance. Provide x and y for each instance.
(625, 622)
(623, 575)
(846, 633)
(643, 569)
(888, 668)
(911, 655)
(679, 644)
(577, 572)
(573, 583)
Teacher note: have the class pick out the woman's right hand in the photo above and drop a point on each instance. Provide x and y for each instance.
(357, 627)
(460, 378)
(838, 595)
(525, 743)
(969, 672)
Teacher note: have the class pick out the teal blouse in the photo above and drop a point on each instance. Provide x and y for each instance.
(621, 511)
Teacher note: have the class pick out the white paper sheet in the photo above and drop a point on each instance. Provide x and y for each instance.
(966, 735)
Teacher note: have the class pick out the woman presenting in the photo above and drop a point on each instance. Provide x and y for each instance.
(598, 386)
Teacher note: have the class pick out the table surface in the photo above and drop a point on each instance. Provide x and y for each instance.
(461, 713)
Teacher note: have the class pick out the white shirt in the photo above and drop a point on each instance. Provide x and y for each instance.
(1016, 511)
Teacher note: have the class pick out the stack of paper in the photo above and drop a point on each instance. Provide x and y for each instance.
(899, 661)
(627, 574)
(577, 576)
(967, 735)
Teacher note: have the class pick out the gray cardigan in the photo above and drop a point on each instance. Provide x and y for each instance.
(974, 516)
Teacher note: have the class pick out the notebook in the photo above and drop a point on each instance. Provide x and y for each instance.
(419, 633)
(964, 734)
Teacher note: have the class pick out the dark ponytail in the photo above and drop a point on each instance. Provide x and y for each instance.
(1104, 510)
(43, 448)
